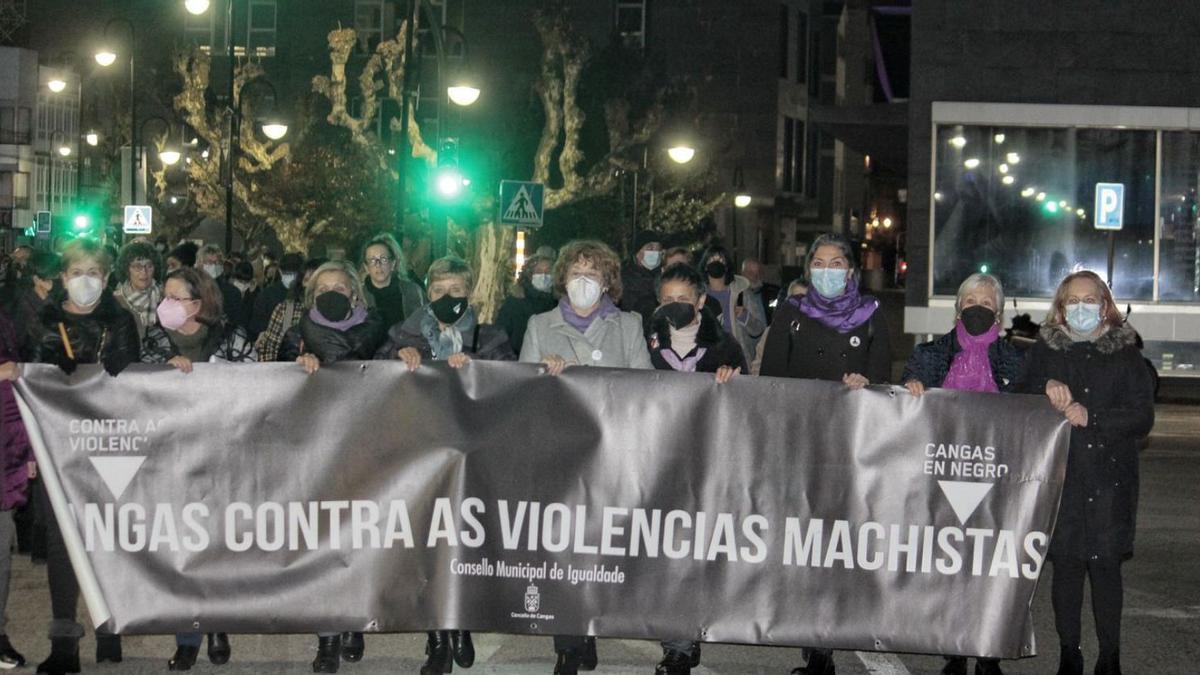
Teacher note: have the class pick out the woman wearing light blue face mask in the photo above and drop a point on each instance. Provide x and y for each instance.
(833, 332)
(1086, 361)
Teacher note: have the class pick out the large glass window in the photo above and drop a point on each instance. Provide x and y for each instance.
(1179, 236)
(1017, 202)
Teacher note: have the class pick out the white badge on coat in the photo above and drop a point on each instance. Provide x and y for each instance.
(597, 355)
(855, 341)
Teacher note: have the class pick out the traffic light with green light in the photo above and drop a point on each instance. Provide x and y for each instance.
(449, 181)
(82, 222)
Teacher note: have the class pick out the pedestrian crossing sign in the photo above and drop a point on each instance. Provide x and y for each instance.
(137, 219)
(521, 203)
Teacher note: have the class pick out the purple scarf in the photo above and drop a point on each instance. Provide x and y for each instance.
(357, 316)
(582, 323)
(686, 364)
(971, 370)
(843, 313)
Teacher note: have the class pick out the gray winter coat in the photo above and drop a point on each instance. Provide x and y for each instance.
(615, 341)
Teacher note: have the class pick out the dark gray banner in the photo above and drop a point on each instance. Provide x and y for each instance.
(636, 504)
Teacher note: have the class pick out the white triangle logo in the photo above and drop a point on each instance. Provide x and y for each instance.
(521, 209)
(117, 472)
(964, 497)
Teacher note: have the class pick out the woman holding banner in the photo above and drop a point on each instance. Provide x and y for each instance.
(969, 358)
(586, 329)
(335, 326)
(831, 333)
(86, 326)
(190, 328)
(1086, 361)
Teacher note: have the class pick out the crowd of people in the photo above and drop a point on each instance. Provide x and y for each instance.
(664, 309)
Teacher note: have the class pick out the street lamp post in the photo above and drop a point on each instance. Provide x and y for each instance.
(58, 146)
(106, 57)
(274, 131)
(680, 153)
(741, 199)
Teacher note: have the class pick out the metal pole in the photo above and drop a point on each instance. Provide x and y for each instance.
(231, 155)
(1112, 250)
(403, 153)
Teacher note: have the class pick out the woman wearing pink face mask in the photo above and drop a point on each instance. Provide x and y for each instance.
(191, 329)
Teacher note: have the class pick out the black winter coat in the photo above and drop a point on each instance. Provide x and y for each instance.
(721, 348)
(802, 347)
(516, 312)
(486, 342)
(1098, 512)
(226, 342)
(26, 317)
(108, 336)
(930, 362)
(637, 292)
(358, 343)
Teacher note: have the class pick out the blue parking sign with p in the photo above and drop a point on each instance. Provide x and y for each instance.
(1110, 206)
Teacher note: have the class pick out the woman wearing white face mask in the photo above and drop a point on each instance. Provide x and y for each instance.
(533, 294)
(585, 329)
(86, 326)
(1087, 362)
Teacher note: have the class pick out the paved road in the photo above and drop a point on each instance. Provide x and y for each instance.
(1162, 610)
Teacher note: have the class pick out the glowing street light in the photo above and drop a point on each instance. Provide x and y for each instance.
(742, 201)
(275, 130)
(106, 57)
(681, 154)
(1013, 158)
(999, 138)
(92, 138)
(463, 94)
(56, 85)
(170, 157)
(1028, 192)
(64, 150)
(196, 7)
(1008, 180)
(958, 141)
(971, 163)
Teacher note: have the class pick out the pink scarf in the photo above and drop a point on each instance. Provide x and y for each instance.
(971, 370)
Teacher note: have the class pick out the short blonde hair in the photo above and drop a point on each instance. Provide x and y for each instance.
(450, 266)
(356, 288)
(86, 249)
(599, 255)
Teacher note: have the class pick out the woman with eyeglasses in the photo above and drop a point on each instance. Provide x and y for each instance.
(86, 326)
(1087, 362)
(138, 291)
(388, 288)
(191, 328)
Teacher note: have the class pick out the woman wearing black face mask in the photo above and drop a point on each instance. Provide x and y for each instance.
(725, 295)
(969, 358)
(687, 337)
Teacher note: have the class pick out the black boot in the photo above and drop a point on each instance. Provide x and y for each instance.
(1070, 661)
(329, 654)
(437, 650)
(219, 649)
(353, 646)
(695, 655)
(674, 663)
(820, 662)
(988, 667)
(184, 658)
(568, 663)
(63, 659)
(1109, 665)
(587, 654)
(463, 648)
(108, 648)
(955, 665)
(9, 657)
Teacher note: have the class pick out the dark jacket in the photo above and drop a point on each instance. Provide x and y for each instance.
(486, 342)
(930, 362)
(231, 302)
(1098, 511)
(395, 302)
(516, 312)
(264, 303)
(108, 336)
(358, 343)
(225, 342)
(798, 346)
(721, 349)
(638, 293)
(14, 442)
(26, 318)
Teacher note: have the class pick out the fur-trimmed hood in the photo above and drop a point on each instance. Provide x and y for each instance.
(1111, 342)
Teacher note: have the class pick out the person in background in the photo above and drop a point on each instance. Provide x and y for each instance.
(796, 288)
(286, 314)
(183, 255)
(44, 269)
(586, 329)
(447, 329)
(212, 261)
(971, 357)
(757, 298)
(388, 287)
(727, 290)
(19, 469)
(191, 328)
(336, 325)
(532, 294)
(270, 294)
(640, 276)
(1087, 362)
(138, 290)
(86, 326)
(242, 279)
(676, 255)
(831, 333)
